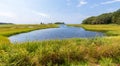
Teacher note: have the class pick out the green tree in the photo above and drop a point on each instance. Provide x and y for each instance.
(116, 17)
(90, 20)
(106, 18)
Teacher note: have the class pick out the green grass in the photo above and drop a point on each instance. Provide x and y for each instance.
(8, 30)
(69, 52)
(110, 30)
(4, 40)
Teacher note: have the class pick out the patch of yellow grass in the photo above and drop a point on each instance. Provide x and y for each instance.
(111, 30)
(4, 40)
(8, 30)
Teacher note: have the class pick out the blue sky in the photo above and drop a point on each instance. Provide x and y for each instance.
(68, 11)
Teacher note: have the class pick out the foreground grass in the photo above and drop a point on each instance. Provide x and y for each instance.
(70, 52)
(8, 30)
(110, 30)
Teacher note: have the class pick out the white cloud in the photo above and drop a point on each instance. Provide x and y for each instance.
(105, 3)
(8, 14)
(95, 5)
(110, 2)
(81, 3)
(41, 14)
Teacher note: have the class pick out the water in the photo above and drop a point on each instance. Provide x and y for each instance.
(62, 32)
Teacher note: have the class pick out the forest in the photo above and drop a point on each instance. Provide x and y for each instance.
(106, 18)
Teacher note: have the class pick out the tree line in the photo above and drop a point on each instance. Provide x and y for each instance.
(106, 18)
(4, 23)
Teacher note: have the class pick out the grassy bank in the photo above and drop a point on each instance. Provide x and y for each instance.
(4, 40)
(110, 30)
(71, 52)
(8, 30)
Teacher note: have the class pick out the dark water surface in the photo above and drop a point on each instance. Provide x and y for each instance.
(55, 33)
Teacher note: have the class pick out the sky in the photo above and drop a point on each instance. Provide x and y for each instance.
(50, 11)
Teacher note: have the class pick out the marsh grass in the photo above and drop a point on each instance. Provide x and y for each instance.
(103, 51)
(110, 30)
(4, 40)
(106, 62)
(8, 30)
(69, 52)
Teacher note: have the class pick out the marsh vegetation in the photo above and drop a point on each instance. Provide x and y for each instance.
(70, 52)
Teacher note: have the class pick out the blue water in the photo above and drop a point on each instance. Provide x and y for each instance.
(62, 32)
